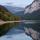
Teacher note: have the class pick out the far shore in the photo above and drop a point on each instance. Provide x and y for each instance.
(24, 21)
(3, 22)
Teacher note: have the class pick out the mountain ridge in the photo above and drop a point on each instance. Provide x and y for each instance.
(5, 14)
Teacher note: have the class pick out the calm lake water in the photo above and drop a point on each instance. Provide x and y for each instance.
(15, 32)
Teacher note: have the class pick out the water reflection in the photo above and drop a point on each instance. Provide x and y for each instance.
(35, 26)
(13, 31)
(5, 27)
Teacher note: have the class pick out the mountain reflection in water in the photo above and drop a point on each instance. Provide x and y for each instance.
(16, 32)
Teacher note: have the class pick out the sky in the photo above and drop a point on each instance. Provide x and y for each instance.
(18, 3)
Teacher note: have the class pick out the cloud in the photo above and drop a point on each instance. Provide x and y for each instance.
(20, 3)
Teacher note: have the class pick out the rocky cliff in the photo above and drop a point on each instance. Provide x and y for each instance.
(33, 7)
(32, 12)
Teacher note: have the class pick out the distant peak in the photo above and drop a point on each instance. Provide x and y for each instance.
(1, 6)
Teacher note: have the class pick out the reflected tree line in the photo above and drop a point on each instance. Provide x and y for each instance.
(5, 27)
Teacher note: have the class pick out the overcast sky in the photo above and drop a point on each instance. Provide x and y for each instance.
(18, 3)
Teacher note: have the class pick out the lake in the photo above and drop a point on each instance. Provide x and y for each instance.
(13, 31)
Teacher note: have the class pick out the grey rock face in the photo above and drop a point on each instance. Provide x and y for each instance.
(33, 7)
